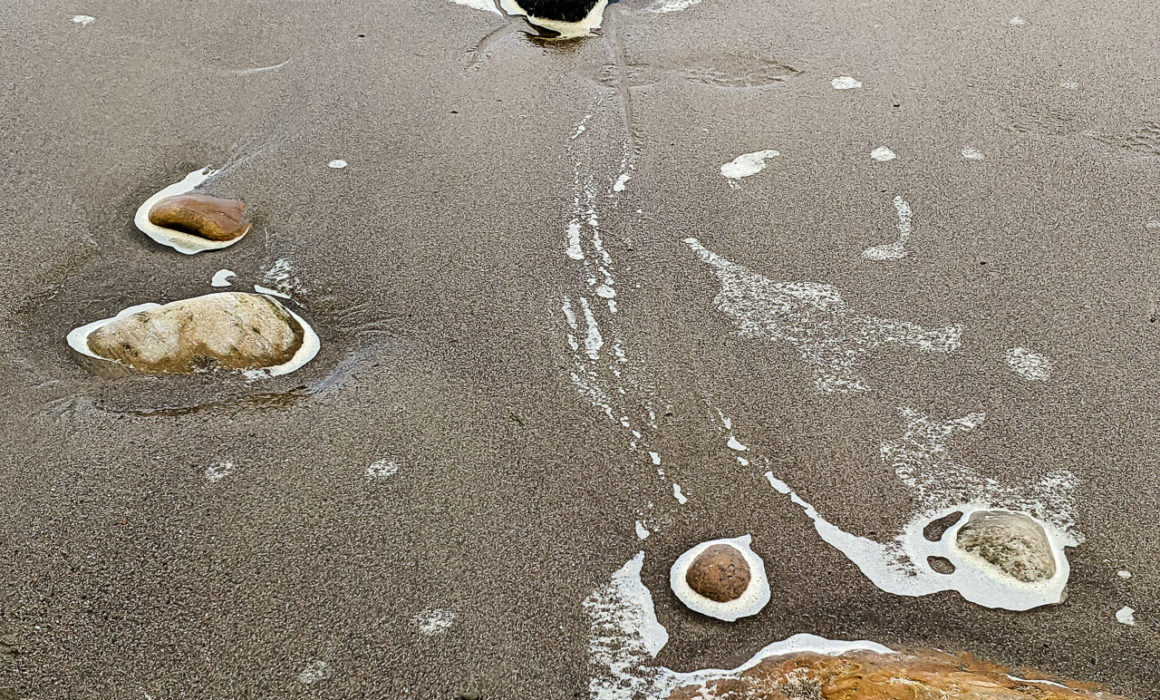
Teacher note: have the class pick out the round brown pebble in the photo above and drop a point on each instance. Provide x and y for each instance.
(202, 215)
(719, 573)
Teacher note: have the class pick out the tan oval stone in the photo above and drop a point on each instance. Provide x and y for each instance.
(719, 573)
(1013, 542)
(233, 330)
(203, 215)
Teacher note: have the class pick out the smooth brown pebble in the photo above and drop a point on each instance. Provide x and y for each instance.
(202, 215)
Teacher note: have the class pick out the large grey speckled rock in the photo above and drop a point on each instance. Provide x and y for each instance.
(1013, 542)
(232, 330)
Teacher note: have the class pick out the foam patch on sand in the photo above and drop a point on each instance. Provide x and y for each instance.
(665, 6)
(747, 164)
(433, 622)
(896, 250)
(814, 318)
(1028, 364)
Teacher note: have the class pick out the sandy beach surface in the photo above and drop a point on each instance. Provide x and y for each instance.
(546, 316)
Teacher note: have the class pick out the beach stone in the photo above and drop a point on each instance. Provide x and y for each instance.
(864, 675)
(1013, 542)
(203, 215)
(719, 573)
(233, 330)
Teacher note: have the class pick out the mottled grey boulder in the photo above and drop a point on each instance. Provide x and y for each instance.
(1013, 542)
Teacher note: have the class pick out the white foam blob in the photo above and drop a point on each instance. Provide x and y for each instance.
(735, 444)
(679, 495)
(1124, 573)
(78, 340)
(972, 153)
(218, 471)
(1017, 21)
(314, 672)
(755, 597)
(83, 20)
(747, 164)
(1030, 365)
(897, 249)
(382, 468)
(844, 82)
(222, 278)
(179, 240)
(1126, 616)
(642, 532)
(434, 621)
(337, 164)
(1153, 224)
(883, 154)
(621, 182)
(1069, 85)
(565, 30)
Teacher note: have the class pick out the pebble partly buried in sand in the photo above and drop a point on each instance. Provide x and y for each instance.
(192, 222)
(865, 675)
(724, 579)
(227, 330)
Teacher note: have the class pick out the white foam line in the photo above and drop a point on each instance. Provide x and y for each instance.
(179, 240)
(83, 20)
(270, 292)
(592, 340)
(263, 69)
(735, 444)
(666, 6)
(574, 250)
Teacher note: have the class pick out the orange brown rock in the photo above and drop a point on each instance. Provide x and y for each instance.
(203, 215)
(871, 676)
(719, 573)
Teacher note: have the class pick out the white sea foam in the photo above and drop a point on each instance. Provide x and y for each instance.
(434, 621)
(180, 241)
(845, 82)
(222, 278)
(972, 153)
(814, 319)
(896, 250)
(83, 20)
(747, 164)
(1126, 616)
(315, 672)
(883, 154)
(1028, 364)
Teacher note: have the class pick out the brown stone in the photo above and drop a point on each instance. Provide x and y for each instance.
(719, 573)
(203, 215)
(870, 676)
(1013, 542)
(233, 330)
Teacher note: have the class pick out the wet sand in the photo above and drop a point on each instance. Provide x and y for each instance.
(435, 269)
